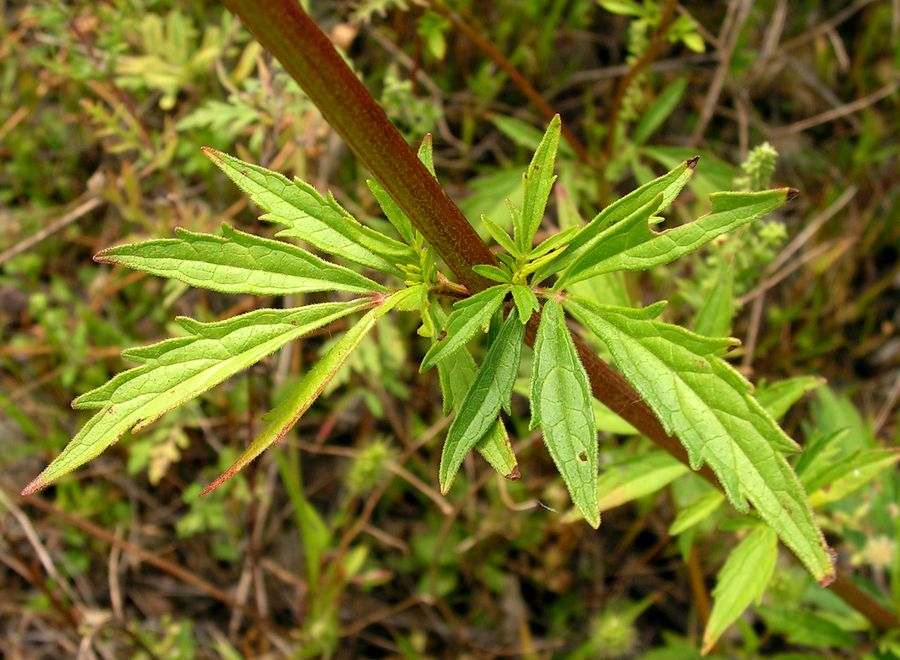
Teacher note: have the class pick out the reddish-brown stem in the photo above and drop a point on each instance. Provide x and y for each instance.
(282, 27)
(308, 56)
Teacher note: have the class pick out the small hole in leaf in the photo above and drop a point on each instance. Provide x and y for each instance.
(582, 457)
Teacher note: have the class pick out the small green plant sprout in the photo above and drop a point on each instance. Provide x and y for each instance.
(682, 376)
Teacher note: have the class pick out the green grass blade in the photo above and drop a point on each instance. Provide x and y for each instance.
(237, 263)
(561, 405)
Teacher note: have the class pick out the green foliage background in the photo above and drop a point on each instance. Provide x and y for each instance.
(337, 541)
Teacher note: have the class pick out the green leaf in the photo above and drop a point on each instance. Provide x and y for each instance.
(741, 581)
(489, 391)
(492, 273)
(714, 317)
(623, 7)
(634, 246)
(301, 396)
(310, 217)
(176, 370)
(237, 263)
(526, 302)
(537, 183)
(561, 406)
(426, 154)
(714, 174)
(668, 185)
(777, 398)
(496, 449)
(702, 400)
(806, 628)
(658, 111)
(471, 315)
(456, 374)
(392, 212)
(850, 474)
(500, 236)
(636, 477)
(696, 512)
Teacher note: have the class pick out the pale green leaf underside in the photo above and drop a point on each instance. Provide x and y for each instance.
(561, 406)
(176, 370)
(237, 263)
(301, 396)
(456, 374)
(491, 388)
(311, 217)
(635, 246)
(741, 581)
(469, 317)
(703, 401)
(668, 185)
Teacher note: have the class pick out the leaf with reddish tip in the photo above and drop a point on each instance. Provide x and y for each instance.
(177, 370)
(297, 401)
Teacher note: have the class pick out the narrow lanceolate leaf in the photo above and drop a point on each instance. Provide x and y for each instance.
(176, 370)
(469, 317)
(714, 316)
(536, 185)
(237, 263)
(393, 212)
(741, 581)
(561, 406)
(778, 397)
(311, 217)
(491, 388)
(668, 185)
(297, 401)
(456, 374)
(702, 400)
(641, 248)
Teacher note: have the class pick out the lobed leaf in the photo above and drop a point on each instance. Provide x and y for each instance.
(668, 185)
(741, 581)
(311, 217)
(491, 388)
(637, 247)
(237, 263)
(536, 185)
(471, 315)
(561, 406)
(176, 370)
(702, 400)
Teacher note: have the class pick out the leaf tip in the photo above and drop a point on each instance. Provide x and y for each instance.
(514, 474)
(36, 485)
(792, 193)
(692, 162)
(213, 154)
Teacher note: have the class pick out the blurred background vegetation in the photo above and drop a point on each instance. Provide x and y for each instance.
(336, 542)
